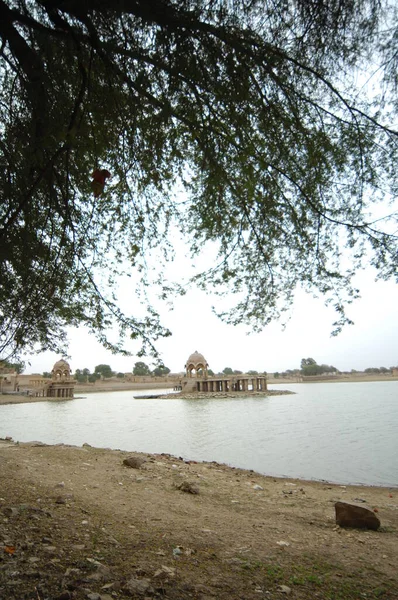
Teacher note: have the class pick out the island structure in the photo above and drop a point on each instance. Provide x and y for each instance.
(197, 379)
(61, 385)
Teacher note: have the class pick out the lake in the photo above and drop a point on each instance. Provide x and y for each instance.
(339, 432)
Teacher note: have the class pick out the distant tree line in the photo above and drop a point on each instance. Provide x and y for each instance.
(19, 367)
(106, 372)
(309, 367)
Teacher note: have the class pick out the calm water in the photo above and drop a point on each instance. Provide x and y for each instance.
(341, 432)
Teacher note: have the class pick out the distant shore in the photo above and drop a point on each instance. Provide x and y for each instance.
(21, 399)
(115, 386)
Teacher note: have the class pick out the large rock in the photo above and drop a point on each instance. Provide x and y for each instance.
(350, 515)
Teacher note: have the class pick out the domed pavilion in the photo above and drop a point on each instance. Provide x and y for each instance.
(197, 379)
(196, 366)
(62, 383)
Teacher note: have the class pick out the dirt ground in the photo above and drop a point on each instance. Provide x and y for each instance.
(75, 523)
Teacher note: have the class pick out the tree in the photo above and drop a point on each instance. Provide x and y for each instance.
(228, 371)
(161, 371)
(19, 367)
(307, 362)
(141, 369)
(252, 372)
(82, 375)
(103, 370)
(94, 377)
(251, 107)
(120, 375)
(309, 367)
(47, 375)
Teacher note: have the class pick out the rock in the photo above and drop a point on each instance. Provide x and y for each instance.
(10, 511)
(285, 589)
(187, 487)
(257, 487)
(139, 586)
(135, 462)
(165, 571)
(102, 572)
(64, 596)
(93, 596)
(350, 515)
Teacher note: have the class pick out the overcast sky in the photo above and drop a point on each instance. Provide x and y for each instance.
(371, 342)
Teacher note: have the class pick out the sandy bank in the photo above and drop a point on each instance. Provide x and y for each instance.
(77, 521)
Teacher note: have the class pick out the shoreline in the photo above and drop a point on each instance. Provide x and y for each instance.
(77, 518)
(21, 398)
(9, 441)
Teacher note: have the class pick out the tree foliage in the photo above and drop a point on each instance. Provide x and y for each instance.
(18, 367)
(104, 371)
(251, 107)
(161, 371)
(141, 369)
(309, 367)
(228, 371)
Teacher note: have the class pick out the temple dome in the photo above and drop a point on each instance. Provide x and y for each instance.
(61, 369)
(196, 358)
(196, 365)
(61, 364)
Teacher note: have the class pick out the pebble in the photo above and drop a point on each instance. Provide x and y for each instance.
(285, 589)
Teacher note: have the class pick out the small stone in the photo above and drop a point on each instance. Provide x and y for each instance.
(61, 484)
(60, 500)
(282, 543)
(285, 589)
(135, 462)
(64, 596)
(50, 549)
(139, 586)
(93, 596)
(165, 571)
(257, 487)
(10, 511)
(187, 487)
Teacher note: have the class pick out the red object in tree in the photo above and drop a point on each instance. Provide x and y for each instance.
(99, 176)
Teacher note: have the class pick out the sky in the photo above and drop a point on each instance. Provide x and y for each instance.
(371, 342)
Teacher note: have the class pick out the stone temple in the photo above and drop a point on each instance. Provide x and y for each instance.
(197, 379)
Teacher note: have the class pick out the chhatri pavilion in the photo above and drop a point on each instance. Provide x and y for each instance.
(197, 379)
